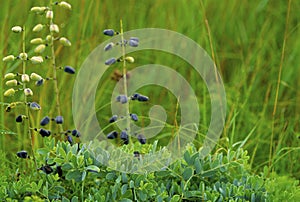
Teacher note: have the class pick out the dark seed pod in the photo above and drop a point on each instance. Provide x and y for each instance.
(45, 121)
(142, 98)
(44, 132)
(22, 154)
(69, 70)
(112, 135)
(108, 46)
(109, 32)
(113, 118)
(59, 171)
(19, 118)
(126, 141)
(110, 61)
(134, 39)
(124, 137)
(122, 98)
(136, 154)
(76, 133)
(59, 119)
(46, 169)
(39, 82)
(142, 139)
(34, 106)
(133, 43)
(135, 96)
(134, 117)
(70, 139)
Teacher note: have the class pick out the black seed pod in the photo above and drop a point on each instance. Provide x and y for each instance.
(142, 98)
(134, 39)
(113, 118)
(124, 135)
(112, 135)
(59, 171)
(134, 117)
(133, 43)
(76, 133)
(22, 154)
(109, 32)
(136, 154)
(135, 96)
(44, 132)
(69, 70)
(108, 46)
(45, 121)
(19, 118)
(59, 119)
(122, 98)
(141, 138)
(46, 169)
(70, 139)
(110, 61)
(39, 82)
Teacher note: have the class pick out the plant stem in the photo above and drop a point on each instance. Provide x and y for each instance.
(125, 78)
(27, 124)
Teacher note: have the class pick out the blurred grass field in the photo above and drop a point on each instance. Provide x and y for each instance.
(247, 39)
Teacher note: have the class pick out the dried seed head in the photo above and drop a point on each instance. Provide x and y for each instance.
(109, 46)
(22, 154)
(11, 83)
(37, 41)
(34, 106)
(35, 77)
(64, 41)
(112, 135)
(40, 48)
(54, 28)
(65, 5)
(69, 70)
(44, 132)
(142, 139)
(9, 92)
(122, 98)
(76, 133)
(49, 14)
(36, 59)
(19, 118)
(39, 82)
(109, 32)
(25, 78)
(59, 120)
(38, 28)
(133, 43)
(17, 29)
(28, 92)
(9, 76)
(134, 117)
(45, 121)
(113, 118)
(8, 58)
(23, 56)
(129, 59)
(110, 61)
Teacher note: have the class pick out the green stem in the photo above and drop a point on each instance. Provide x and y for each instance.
(125, 79)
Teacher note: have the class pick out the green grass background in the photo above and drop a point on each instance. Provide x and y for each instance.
(247, 41)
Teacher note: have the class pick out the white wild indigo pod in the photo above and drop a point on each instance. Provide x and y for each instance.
(54, 28)
(11, 83)
(28, 92)
(23, 56)
(36, 59)
(65, 5)
(38, 28)
(9, 76)
(40, 48)
(37, 41)
(25, 78)
(64, 41)
(8, 58)
(38, 9)
(9, 92)
(35, 77)
(17, 29)
(49, 14)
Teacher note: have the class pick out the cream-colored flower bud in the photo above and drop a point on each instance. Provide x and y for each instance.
(129, 59)
(28, 92)
(9, 76)
(37, 41)
(49, 14)
(65, 5)
(37, 9)
(49, 38)
(23, 56)
(38, 28)
(64, 41)
(54, 28)
(9, 92)
(25, 78)
(8, 58)
(17, 29)
(35, 77)
(40, 48)
(36, 59)
(11, 83)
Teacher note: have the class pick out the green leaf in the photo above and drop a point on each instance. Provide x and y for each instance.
(110, 176)
(175, 198)
(93, 168)
(131, 184)
(74, 175)
(67, 166)
(187, 173)
(126, 200)
(83, 175)
(43, 151)
(74, 199)
(198, 166)
(124, 189)
(64, 199)
(187, 158)
(59, 189)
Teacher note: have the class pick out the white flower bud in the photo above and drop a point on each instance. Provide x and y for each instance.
(35, 77)
(25, 78)
(40, 48)
(49, 14)
(28, 92)
(49, 38)
(38, 9)
(65, 5)
(11, 83)
(9, 92)
(54, 28)
(36, 59)
(9, 76)
(17, 29)
(37, 41)
(64, 41)
(129, 59)
(23, 56)
(38, 28)
(8, 58)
